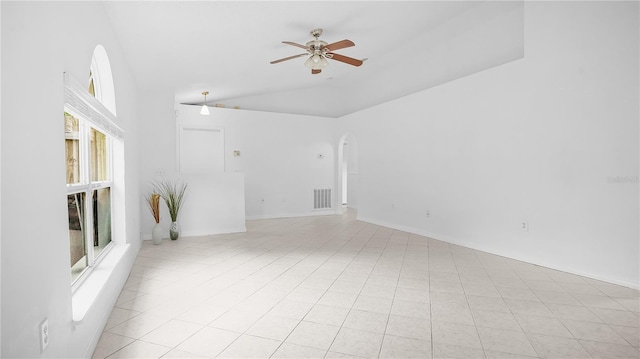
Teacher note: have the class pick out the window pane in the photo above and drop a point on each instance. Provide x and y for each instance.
(92, 89)
(72, 148)
(77, 222)
(98, 156)
(101, 220)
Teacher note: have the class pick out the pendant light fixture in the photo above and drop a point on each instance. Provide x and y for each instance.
(205, 109)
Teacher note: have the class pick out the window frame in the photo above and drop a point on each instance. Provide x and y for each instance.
(87, 186)
(91, 114)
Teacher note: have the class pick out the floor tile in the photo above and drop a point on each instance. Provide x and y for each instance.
(497, 320)
(412, 295)
(373, 304)
(455, 334)
(357, 342)
(449, 300)
(517, 293)
(618, 317)
(542, 325)
(293, 351)
(580, 313)
(398, 347)
(334, 287)
(208, 342)
(528, 307)
(598, 301)
(203, 314)
(609, 351)
(119, 315)
(291, 309)
(179, 354)
(630, 304)
(445, 286)
(313, 335)
(451, 314)
(369, 321)
(140, 349)
(411, 309)
(556, 297)
(553, 347)
(346, 286)
(138, 326)
(501, 281)
(481, 289)
(327, 315)
(491, 354)
(593, 332)
(407, 327)
(413, 283)
(110, 343)
(273, 327)
(543, 285)
(336, 355)
(506, 341)
(338, 299)
(457, 352)
(235, 320)
(248, 346)
(306, 295)
(617, 291)
(487, 303)
(171, 333)
(630, 334)
(580, 288)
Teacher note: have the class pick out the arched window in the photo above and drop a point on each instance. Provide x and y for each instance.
(101, 79)
(91, 132)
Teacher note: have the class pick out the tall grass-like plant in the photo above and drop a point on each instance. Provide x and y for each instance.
(153, 201)
(173, 195)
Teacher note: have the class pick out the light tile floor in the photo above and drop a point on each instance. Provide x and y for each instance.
(334, 287)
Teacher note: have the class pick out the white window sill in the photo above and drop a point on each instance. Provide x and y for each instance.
(90, 290)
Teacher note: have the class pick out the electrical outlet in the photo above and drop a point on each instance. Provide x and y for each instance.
(524, 225)
(44, 334)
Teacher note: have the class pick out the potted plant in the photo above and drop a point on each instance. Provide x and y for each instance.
(172, 192)
(153, 201)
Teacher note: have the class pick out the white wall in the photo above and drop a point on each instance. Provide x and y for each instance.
(0, 181)
(214, 202)
(278, 158)
(352, 172)
(541, 139)
(41, 41)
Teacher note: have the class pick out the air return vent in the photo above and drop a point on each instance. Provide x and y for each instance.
(322, 198)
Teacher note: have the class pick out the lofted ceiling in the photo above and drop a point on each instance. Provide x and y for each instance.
(225, 47)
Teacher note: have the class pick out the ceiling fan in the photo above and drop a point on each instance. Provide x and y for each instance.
(319, 51)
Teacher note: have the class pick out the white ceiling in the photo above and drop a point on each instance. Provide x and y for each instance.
(225, 47)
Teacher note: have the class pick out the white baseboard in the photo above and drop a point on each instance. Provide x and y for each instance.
(195, 233)
(293, 215)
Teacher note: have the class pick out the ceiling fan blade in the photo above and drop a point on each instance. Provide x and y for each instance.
(296, 45)
(288, 58)
(346, 59)
(315, 72)
(339, 45)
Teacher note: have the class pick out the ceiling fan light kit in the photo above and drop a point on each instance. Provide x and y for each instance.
(319, 51)
(316, 62)
(205, 109)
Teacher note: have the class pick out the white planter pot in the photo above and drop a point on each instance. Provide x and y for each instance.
(156, 234)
